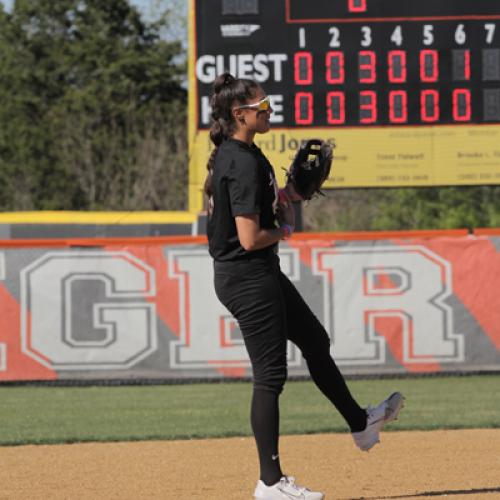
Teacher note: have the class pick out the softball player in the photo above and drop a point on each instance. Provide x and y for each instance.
(245, 223)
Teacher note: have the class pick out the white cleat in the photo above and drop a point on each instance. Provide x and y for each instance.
(285, 489)
(378, 416)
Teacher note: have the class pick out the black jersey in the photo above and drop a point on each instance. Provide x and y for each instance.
(243, 183)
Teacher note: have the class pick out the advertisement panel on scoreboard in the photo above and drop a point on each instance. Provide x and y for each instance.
(409, 91)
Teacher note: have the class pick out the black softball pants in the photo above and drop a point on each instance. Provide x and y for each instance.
(270, 311)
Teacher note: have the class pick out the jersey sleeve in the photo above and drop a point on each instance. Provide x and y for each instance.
(244, 187)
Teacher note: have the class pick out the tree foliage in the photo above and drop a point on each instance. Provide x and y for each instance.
(405, 209)
(92, 108)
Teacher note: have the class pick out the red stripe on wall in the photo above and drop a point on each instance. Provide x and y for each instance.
(230, 372)
(392, 330)
(201, 239)
(476, 279)
(18, 366)
(167, 290)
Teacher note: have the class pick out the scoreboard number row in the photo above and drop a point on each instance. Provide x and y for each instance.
(397, 104)
(397, 36)
(368, 67)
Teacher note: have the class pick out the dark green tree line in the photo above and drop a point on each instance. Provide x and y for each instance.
(92, 109)
(382, 209)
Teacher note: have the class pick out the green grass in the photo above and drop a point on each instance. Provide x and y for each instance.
(69, 414)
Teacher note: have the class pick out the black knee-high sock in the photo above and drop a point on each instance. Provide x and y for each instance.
(264, 417)
(331, 383)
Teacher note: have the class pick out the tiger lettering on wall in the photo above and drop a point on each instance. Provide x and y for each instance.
(109, 327)
(206, 337)
(408, 284)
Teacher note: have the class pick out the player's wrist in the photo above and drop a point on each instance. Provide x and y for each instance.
(284, 198)
(287, 231)
(292, 193)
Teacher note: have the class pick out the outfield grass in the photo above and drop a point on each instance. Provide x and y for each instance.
(69, 414)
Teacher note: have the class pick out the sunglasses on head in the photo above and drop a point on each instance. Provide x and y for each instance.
(262, 105)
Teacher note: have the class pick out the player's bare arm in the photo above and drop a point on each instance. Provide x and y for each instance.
(252, 237)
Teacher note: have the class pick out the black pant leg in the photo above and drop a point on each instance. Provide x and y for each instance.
(309, 335)
(252, 294)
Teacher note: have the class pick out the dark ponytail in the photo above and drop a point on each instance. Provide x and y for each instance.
(227, 91)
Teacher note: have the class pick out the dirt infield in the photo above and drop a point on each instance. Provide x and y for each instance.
(458, 464)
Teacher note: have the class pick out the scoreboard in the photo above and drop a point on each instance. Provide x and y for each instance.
(408, 90)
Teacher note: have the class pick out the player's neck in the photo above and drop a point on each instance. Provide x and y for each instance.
(244, 135)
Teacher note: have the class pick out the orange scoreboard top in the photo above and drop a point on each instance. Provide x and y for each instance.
(409, 91)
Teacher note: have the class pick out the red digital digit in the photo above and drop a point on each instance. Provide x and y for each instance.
(335, 67)
(429, 105)
(367, 106)
(357, 5)
(461, 65)
(397, 66)
(335, 107)
(303, 64)
(367, 66)
(304, 113)
(467, 64)
(398, 109)
(429, 66)
(461, 105)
